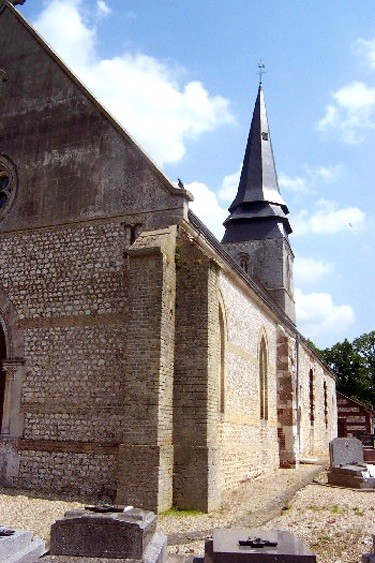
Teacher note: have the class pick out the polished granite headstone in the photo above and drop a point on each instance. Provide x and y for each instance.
(346, 451)
(256, 546)
(109, 535)
(347, 468)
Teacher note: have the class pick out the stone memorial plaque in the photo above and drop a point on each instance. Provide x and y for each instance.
(108, 535)
(348, 468)
(271, 546)
(346, 451)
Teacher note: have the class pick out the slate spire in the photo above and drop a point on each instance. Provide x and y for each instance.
(258, 210)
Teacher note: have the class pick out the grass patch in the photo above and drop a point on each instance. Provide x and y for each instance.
(337, 509)
(332, 508)
(178, 512)
(314, 507)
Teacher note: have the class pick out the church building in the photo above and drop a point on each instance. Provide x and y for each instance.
(142, 360)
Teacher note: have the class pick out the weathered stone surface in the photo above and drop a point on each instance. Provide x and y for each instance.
(20, 547)
(225, 547)
(347, 466)
(137, 337)
(346, 451)
(113, 535)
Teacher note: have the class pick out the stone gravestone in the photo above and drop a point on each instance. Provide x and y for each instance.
(369, 557)
(256, 546)
(347, 468)
(17, 546)
(114, 534)
(346, 451)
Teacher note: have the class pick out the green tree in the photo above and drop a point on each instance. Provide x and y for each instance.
(364, 345)
(353, 379)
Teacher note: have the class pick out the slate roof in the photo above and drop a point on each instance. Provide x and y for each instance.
(258, 210)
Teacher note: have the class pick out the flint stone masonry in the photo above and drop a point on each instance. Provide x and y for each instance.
(224, 547)
(120, 535)
(136, 351)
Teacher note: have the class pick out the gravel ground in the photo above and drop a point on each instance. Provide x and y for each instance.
(336, 523)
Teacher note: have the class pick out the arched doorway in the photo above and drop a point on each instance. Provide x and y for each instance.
(3, 355)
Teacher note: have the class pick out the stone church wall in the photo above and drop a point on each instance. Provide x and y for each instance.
(318, 406)
(136, 347)
(249, 445)
(67, 285)
(196, 379)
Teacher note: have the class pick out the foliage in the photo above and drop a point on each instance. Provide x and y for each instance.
(354, 366)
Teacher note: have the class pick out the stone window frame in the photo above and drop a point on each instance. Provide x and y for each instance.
(14, 366)
(222, 341)
(132, 232)
(8, 170)
(311, 397)
(244, 261)
(263, 378)
(3, 79)
(325, 400)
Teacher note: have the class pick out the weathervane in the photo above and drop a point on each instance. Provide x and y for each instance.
(261, 70)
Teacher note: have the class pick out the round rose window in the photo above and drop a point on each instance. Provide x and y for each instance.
(7, 184)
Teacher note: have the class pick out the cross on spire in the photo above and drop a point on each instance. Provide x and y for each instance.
(261, 71)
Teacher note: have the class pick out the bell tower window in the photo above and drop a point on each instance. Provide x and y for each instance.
(243, 261)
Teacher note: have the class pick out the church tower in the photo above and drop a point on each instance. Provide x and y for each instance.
(257, 229)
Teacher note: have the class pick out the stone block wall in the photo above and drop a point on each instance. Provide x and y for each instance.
(68, 290)
(318, 406)
(196, 379)
(145, 472)
(271, 265)
(287, 399)
(249, 445)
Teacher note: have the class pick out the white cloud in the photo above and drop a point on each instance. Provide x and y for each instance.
(229, 187)
(366, 48)
(328, 219)
(74, 42)
(298, 184)
(352, 112)
(305, 184)
(318, 316)
(145, 94)
(308, 270)
(207, 207)
(328, 174)
(103, 8)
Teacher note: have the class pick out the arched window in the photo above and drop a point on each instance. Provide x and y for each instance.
(3, 356)
(325, 403)
(8, 184)
(243, 261)
(3, 79)
(263, 380)
(222, 360)
(311, 396)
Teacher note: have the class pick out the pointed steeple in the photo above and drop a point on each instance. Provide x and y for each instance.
(257, 229)
(258, 210)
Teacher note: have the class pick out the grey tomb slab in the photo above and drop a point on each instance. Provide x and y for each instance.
(226, 549)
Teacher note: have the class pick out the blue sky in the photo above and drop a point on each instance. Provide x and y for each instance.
(181, 77)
